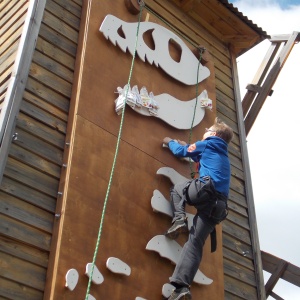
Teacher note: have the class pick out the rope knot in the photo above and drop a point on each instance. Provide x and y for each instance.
(141, 3)
(201, 49)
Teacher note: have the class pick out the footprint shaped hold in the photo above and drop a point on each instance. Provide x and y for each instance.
(116, 265)
(97, 277)
(171, 250)
(72, 277)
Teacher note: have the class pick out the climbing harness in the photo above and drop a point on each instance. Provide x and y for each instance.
(142, 4)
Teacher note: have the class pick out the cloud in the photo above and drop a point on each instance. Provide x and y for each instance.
(255, 5)
(278, 20)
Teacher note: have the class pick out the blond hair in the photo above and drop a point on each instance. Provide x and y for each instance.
(223, 130)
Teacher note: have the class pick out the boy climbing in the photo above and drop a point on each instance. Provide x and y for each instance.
(208, 194)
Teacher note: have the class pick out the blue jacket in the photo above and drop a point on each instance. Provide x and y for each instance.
(212, 154)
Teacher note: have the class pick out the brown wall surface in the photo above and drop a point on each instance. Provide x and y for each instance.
(129, 222)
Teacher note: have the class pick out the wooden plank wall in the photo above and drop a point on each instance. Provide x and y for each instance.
(29, 189)
(12, 17)
(30, 184)
(239, 271)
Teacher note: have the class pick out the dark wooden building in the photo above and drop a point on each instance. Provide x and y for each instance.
(59, 133)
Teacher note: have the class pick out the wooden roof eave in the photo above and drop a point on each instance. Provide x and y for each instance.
(225, 22)
(241, 46)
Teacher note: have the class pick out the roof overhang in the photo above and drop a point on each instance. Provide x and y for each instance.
(225, 22)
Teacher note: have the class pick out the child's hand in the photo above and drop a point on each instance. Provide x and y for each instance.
(166, 140)
(183, 143)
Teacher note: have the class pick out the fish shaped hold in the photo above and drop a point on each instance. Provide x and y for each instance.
(177, 113)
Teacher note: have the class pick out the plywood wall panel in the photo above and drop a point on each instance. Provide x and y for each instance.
(129, 221)
(100, 81)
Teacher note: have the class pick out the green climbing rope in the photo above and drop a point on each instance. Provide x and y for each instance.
(141, 3)
(201, 50)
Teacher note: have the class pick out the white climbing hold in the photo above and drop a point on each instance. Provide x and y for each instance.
(72, 279)
(187, 159)
(165, 247)
(185, 71)
(97, 276)
(171, 250)
(175, 112)
(90, 297)
(167, 290)
(116, 265)
(160, 204)
(173, 175)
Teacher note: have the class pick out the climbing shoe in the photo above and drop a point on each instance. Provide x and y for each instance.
(182, 293)
(179, 226)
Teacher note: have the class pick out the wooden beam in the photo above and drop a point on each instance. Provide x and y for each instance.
(248, 186)
(275, 296)
(269, 82)
(187, 5)
(266, 64)
(259, 77)
(280, 269)
(253, 88)
(256, 88)
(291, 274)
(283, 38)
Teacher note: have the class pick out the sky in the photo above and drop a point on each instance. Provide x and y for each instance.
(273, 140)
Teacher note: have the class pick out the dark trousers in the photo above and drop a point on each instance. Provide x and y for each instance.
(191, 254)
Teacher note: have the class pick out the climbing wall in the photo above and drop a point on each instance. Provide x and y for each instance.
(132, 231)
